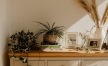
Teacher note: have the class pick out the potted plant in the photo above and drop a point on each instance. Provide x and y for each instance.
(22, 42)
(51, 33)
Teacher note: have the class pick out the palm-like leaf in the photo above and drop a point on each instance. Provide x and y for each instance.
(48, 25)
(45, 25)
(53, 25)
(40, 31)
(50, 30)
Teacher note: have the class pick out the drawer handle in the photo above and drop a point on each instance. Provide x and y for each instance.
(28, 65)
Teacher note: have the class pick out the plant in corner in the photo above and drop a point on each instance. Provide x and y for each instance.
(22, 42)
(50, 33)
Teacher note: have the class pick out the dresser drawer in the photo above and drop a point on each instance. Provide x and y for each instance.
(30, 63)
(63, 63)
(36, 63)
(95, 63)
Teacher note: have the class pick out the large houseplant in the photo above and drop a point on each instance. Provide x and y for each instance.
(50, 33)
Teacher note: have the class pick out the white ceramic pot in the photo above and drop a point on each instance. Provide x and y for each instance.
(100, 34)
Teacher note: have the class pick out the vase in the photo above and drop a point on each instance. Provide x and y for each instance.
(100, 34)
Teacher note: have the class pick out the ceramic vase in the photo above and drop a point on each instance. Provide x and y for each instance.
(100, 34)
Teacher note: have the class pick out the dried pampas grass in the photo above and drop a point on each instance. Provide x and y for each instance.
(91, 8)
(105, 15)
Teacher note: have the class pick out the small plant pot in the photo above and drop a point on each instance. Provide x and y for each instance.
(50, 39)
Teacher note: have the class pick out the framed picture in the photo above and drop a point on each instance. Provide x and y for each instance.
(71, 39)
(94, 43)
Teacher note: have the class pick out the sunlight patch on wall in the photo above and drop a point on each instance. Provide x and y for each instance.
(86, 23)
(83, 24)
(101, 9)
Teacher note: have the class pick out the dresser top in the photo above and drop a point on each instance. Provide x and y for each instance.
(63, 53)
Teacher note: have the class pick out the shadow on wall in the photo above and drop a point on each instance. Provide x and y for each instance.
(6, 60)
(76, 15)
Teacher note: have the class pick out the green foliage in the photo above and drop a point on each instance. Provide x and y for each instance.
(22, 42)
(51, 30)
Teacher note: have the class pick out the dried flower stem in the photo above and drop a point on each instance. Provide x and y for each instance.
(91, 9)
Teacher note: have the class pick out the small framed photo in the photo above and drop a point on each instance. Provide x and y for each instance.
(71, 39)
(94, 43)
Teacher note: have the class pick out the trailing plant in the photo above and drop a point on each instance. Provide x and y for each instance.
(90, 7)
(50, 30)
(22, 42)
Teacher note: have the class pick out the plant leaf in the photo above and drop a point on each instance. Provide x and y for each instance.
(53, 25)
(48, 25)
(45, 25)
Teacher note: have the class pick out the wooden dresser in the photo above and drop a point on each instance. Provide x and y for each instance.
(62, 58)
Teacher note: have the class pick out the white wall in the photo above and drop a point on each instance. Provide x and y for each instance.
(3, 34)
(22, 13)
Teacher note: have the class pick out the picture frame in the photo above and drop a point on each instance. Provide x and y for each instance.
(94, 43)
(71, 40)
